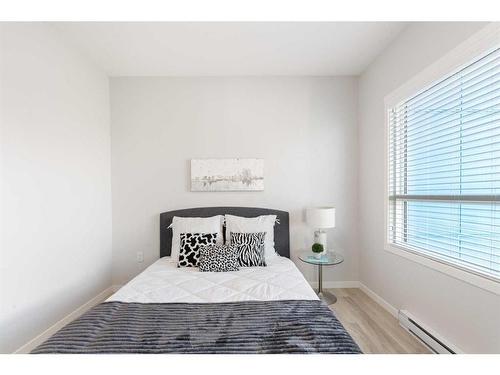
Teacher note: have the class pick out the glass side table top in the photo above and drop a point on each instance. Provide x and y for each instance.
(328, 258)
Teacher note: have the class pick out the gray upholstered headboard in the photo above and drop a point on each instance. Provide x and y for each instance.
(281, 230)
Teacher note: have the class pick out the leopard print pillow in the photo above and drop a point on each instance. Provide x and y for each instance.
(189, 252)
(218, 258)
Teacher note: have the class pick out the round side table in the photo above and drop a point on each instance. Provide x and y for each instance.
(326, 259)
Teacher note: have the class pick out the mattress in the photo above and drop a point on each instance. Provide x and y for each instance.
(164, 282)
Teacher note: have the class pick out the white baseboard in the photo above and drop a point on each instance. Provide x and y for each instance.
(28, 347)
(336, 284)
(382, 302)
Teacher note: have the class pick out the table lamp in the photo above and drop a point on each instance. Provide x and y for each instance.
(321, 218)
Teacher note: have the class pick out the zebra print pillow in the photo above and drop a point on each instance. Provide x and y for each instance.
(218, 258)
(250, 248)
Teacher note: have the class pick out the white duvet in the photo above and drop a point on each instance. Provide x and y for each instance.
(164, 282)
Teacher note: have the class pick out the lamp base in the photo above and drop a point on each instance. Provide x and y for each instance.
(320, 237)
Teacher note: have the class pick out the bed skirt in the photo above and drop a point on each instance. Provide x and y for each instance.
(294, 326)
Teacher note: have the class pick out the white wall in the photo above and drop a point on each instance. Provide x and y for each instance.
(465, 315)
(55, 181)
(304, 128)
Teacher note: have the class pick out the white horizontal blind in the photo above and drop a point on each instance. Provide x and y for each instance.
(444, 169)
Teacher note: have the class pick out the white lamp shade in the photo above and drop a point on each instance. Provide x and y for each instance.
(321, 217)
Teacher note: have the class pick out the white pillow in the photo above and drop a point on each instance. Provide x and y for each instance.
(264, 223)
(180, 225)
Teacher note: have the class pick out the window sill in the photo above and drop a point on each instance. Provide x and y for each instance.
(443, 267)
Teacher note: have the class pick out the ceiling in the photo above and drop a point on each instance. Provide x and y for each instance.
(231, 48)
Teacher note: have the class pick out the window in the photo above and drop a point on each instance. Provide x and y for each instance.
(444, 169)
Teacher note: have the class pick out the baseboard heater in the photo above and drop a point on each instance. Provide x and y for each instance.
(428, 338)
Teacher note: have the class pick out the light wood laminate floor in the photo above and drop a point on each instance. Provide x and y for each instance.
(371, 326)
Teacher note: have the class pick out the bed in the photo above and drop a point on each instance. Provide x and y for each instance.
(167, 309)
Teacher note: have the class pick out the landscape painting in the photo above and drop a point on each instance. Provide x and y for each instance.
(227, 174)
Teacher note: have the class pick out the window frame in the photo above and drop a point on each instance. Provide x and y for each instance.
(479, 43)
